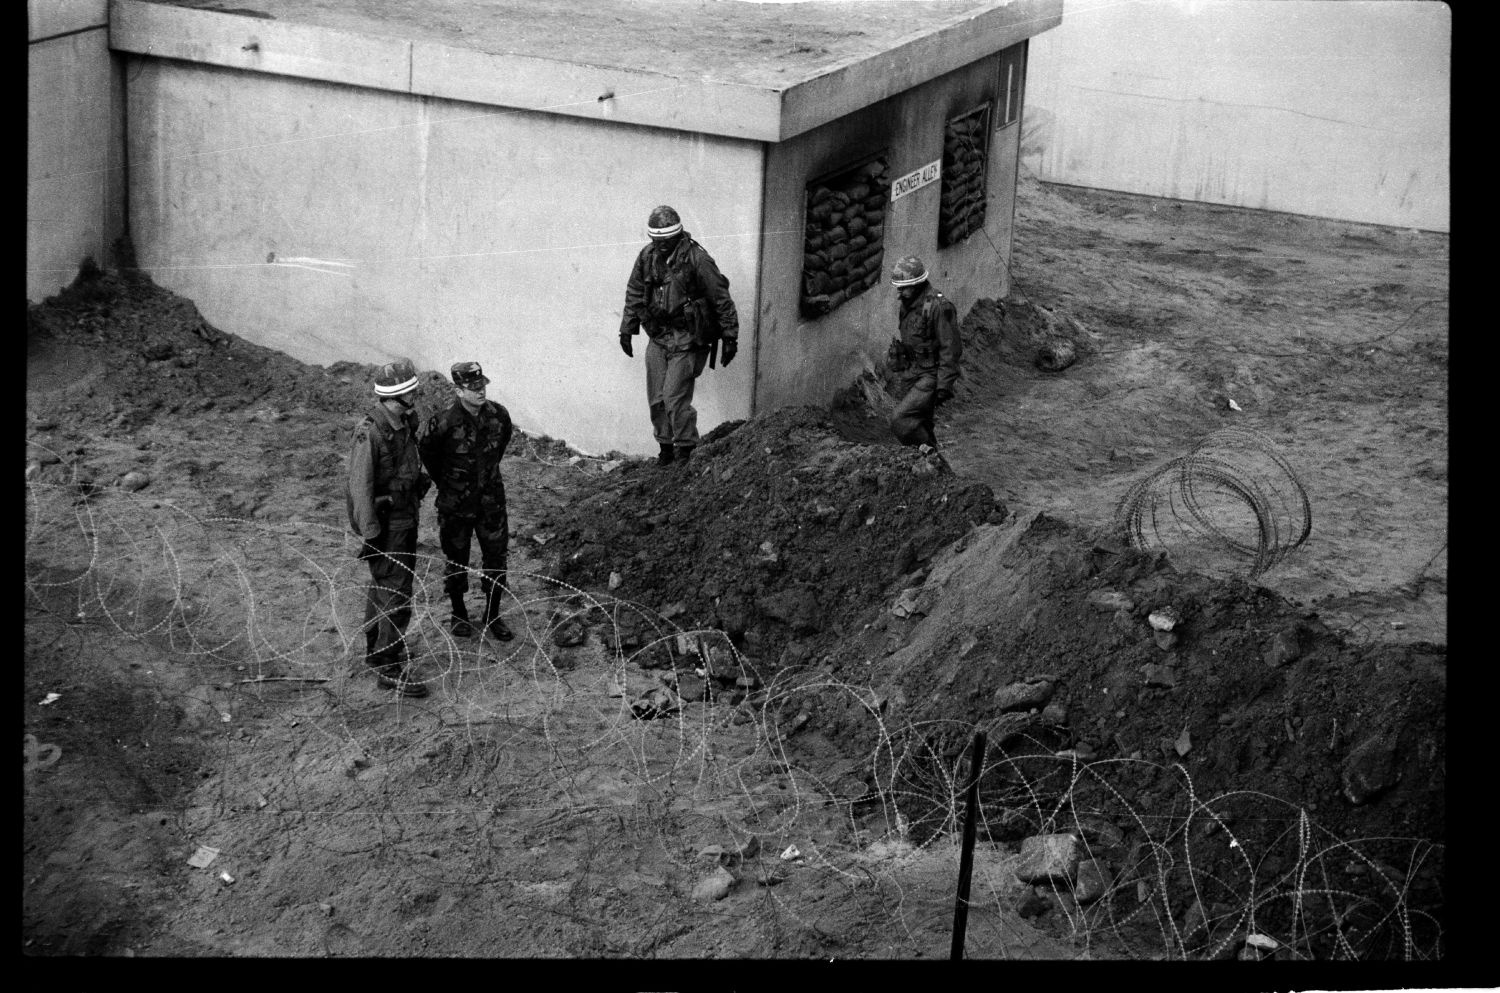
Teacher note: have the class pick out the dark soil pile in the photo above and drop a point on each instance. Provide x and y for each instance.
(1248, 722)
(832, 561)
(115, 351)
(777, 532)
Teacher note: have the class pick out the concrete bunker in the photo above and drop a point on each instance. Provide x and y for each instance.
(355, 181)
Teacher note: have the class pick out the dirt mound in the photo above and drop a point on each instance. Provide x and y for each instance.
(776, 533)
(1219, 742)
(1232, 754)
(114, 353)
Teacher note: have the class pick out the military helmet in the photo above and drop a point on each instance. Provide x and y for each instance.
(908, 271)
(469, 376)
(663, 222)
(396, 378)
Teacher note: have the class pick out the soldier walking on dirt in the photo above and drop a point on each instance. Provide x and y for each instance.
(462, 446)
(385, 490)
(926, 352)
(678, 295)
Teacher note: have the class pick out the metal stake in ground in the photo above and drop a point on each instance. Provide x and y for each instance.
(966, 853)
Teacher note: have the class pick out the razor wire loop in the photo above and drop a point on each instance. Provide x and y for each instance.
(1172, 500)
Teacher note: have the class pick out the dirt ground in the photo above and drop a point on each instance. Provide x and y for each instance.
(737, 720)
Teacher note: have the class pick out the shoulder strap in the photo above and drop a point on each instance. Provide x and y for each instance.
(929, 304)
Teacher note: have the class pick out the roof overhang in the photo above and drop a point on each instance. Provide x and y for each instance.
(357, 47)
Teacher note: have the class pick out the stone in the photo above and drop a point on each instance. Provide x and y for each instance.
(1285, 647)
(1099, 831)
(1055, 713)
(796, 607)
(1090, 882)
(714, 886)
(907, 602)
(1195, 920)
(134, 481)
(1165, 640)
(1110, 600)
(691, 688)
(1023, 695)
(1048, 858)
(1032, 903)
(1370, 769)
(1164, 619)
(1159, 675)
(615, 579)
(569, 633)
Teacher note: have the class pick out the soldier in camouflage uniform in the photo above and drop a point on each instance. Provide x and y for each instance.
(678, 295)
(385, 489)
(462, 446)
(926, 352)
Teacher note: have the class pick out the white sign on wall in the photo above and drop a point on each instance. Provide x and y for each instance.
(929, 173)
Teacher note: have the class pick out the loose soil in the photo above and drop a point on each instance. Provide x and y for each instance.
(738, 716)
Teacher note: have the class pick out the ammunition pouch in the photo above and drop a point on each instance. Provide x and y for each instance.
(702, 322)
(898, 356)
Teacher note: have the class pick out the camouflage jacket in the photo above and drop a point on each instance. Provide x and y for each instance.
(462, 451)
(383, 462)
(663, 292)
(929, 336)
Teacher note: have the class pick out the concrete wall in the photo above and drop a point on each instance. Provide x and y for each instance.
(805, 361)
(340, 223)
(1334, 110)
(74, 143)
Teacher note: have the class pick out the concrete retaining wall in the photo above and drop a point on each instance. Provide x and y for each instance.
(1336, 110)
(75, 199)
(340, 223)
(805, 360)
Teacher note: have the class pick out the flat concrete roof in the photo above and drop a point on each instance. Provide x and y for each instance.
(760, 70)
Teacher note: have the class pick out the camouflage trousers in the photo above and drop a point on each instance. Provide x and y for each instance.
(388, 597)
(457, 534)
(912, 420)
(670, 377)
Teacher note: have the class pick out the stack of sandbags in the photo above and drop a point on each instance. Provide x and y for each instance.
(961, 209)
(844, 250)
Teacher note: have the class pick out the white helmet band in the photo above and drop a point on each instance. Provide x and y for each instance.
(397, 390)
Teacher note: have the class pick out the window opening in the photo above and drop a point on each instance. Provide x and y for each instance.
(843, 244)
(1012, 85)
(965, 154)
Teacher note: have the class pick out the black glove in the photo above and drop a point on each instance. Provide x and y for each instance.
(625, 345)
(727, 348)
(943, 396)
(367, 550)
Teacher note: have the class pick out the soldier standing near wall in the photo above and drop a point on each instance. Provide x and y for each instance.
(462, 446)
(678, 295)
(384, 493)
(926, 352)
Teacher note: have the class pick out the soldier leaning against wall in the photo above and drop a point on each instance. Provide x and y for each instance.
(678, 295)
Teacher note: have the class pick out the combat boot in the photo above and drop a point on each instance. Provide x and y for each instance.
(395, 676)
(459, 623)
(664, 457)
(493, 623)
(684, 452)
